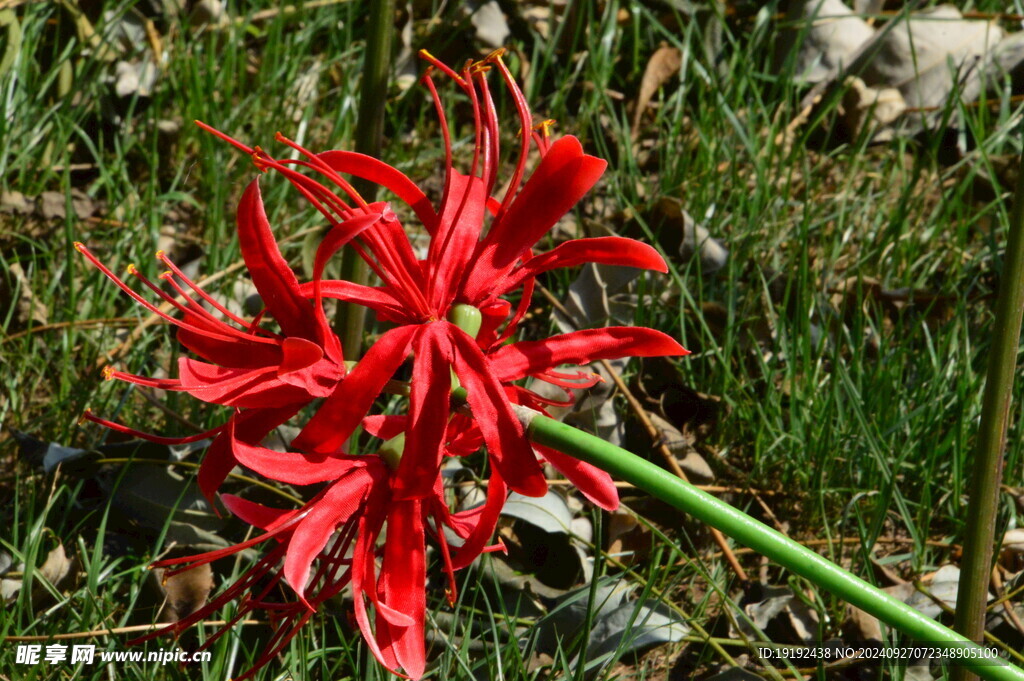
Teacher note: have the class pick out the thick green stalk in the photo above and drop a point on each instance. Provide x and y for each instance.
(369, 138)
(987, 465)
(763, 539)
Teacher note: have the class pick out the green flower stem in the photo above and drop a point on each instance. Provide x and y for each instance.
(373, 94)
(987, 466)
(763, 539)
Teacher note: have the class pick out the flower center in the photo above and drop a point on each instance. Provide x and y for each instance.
(467, 318)
(391, 451)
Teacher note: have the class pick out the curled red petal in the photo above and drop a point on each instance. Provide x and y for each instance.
(518, 360)
(270, 273)
(506, 440)
(385, 426)
(477, 525)
(605, 250)
(402, 587)
(377, 298)
(343, 411)
(293, 468)
(381, 173)
(257, 515)
(596, 484)
(339, 503)
(428, 412)
(563, 176)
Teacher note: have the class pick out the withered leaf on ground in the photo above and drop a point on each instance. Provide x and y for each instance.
(183, 592)
(663, 65)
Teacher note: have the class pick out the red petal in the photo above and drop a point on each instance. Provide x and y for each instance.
(364, 579)
(251, 426)
(381, 173)
(257, 515)
(606, 250)
(342, 412)
(453, 244)
(477, 525)
(506, 441)
(237, 387)
(274, 280)
(563, 176)
(402, 586)
(378, 299)
(293, 468)
(338, 504)
(385, 426)
(235, 353)
(428, 412)
(299, 353)
(515, 361)
(595, 483)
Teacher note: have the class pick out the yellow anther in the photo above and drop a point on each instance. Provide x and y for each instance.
(79, 246)
(132, 269)
(544, 127)
(108, 373)
(259, 159)
(426, 55)
(496, 55)
(160, 255)
(84, 417)
(167, 275)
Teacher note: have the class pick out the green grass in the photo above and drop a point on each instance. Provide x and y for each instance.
(863, 410)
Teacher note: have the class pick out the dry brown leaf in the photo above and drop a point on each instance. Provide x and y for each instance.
(629, 540)
(26, 305)
(876, 109)
(663, 65)
(184, 592)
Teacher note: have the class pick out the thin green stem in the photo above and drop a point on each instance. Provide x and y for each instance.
(976, 567)
(351, 320)
(767, 541)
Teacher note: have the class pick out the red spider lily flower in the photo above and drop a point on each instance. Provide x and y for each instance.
(267, 375)
(331, 542)
(468, 270)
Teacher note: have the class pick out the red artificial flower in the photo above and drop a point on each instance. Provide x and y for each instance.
(267, 376)
(331, 542)
(467, 268)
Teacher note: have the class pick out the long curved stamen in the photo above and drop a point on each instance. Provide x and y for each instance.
(110, 373)
(81, 248)
(316, 163)
(446, 134)
(524, 304)
(113, 425)
(490, 123)
(195, 308)
(162, 257)
(542, 135)
(341, 209)
(478, 132)
(524, 120)
(227, 138)
(452, 591)
(441, 66)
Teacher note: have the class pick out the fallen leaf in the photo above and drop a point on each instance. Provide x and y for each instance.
(628, 539)
(829, 35)
(490, 23)
(865, 108)
(183, 592)
(663, 65)
(27, 306)
(680, 233)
